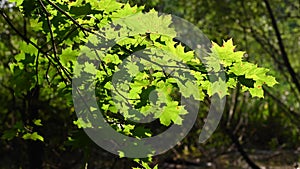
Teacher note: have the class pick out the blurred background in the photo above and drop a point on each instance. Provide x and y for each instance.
(254, 132)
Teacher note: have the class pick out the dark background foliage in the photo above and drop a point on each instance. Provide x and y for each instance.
(253, 132)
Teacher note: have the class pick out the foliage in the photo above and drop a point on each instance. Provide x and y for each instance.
(45, 57)
(257, 122)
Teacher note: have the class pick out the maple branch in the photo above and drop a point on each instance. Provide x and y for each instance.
(8, 21)
(70, 17)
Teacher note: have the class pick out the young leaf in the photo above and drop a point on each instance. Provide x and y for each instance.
(33, 136)
(37, 122)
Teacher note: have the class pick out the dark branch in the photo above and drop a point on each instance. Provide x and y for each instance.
(8, 21)
(50, 28)
(281, 46)
(71, 18)
(241, 149)
(294, 114)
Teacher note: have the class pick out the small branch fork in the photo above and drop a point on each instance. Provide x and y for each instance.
(51, 60)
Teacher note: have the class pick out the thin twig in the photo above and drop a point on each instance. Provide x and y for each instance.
(19, 33)
(8, 21)
(295, 114)
(50, 29)
(71, 18)
(53, 40)
(37, 68)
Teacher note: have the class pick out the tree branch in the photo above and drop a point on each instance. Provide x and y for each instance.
(281, 46)
(241, 149)
(8, 21)
(294, 114)
(71, 18)
(50, 29)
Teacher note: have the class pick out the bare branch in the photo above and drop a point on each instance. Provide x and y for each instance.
(282, 48)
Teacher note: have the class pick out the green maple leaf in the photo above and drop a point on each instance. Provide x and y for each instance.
(90, 68)
(81, 123)
(257, 91)
(189, 89)
(149, 23)
(219, 87)
(18, 2)
(20, 56)
(132, 68)
(68, 55)
(38, 122)
(270, 81)
(226, 54)
(29, 48)
(171, 113)
(33, 136)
